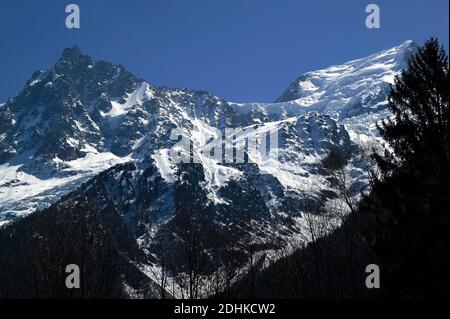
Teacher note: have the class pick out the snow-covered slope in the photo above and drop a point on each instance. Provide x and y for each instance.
(333, 89)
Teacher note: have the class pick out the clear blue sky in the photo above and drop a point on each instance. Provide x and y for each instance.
(241, 50)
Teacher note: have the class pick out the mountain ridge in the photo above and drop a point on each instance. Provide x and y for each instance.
(91, 130)
(102, 115)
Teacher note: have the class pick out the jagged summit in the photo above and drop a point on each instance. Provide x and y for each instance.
(72, 53)
(72, 58)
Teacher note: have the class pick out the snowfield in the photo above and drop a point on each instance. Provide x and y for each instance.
(23, 193)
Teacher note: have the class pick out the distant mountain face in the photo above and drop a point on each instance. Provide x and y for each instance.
(81, 117)
(91, 129)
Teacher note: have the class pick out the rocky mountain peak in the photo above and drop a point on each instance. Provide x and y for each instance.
(74, 55)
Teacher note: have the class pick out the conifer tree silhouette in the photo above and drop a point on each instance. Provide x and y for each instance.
(410, 188)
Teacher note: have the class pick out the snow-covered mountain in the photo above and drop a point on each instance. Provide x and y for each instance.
(349, 93)
(91, 129)
(83, 116)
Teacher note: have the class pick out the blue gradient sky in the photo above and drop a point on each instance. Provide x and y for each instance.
(242, 50)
